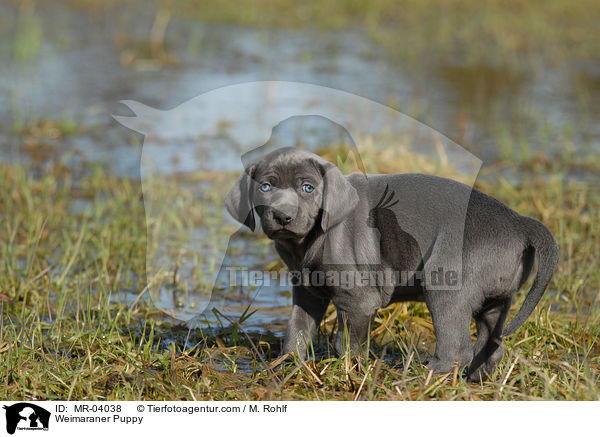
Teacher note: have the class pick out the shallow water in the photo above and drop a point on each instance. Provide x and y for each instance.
(86, 62)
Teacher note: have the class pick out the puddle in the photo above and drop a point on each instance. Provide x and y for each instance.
(79, 72)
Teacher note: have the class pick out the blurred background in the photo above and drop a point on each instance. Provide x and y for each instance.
(504, 79)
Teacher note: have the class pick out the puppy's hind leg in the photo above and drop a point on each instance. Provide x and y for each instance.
(451, 323)
(488, 349)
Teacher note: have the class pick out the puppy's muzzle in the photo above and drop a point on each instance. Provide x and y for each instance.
(284, 208)
(282, 218)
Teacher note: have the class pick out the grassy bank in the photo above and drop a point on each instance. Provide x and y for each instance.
(72, 242)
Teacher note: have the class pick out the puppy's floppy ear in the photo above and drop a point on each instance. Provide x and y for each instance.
(238, 200)
(339, 196)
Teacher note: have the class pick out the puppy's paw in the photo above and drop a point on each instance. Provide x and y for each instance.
(440, 366)
(352, 349)
(477, 375)
(480, 370)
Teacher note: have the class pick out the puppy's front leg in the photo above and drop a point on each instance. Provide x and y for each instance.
(307, 314)
(353, 332)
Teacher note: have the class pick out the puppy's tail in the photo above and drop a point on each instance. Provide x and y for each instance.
(540, 238)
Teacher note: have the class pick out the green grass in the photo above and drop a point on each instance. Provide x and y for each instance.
(72, 241)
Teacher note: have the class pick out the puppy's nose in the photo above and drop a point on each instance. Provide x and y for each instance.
(282, 218)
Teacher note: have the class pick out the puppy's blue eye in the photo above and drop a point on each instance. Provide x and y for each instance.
(265, 187)
(308, 188)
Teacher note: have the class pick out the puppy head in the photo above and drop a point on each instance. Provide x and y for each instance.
(292, 191)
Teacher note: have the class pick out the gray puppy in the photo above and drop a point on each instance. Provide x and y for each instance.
(461, 251)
